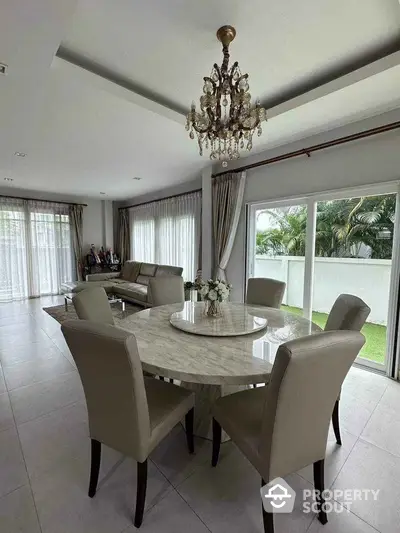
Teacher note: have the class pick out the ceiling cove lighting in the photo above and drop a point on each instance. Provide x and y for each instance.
(227, 120)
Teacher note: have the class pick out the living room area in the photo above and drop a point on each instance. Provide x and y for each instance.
(200, 276)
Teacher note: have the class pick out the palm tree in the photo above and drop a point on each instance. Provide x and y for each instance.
(344, 228)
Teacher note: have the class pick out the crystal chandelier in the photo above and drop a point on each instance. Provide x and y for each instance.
(227, 120)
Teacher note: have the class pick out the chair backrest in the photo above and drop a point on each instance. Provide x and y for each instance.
(111, 372)
(348, 312)
(299, 399)
(265, 291)
(92, 304)
(166, 290)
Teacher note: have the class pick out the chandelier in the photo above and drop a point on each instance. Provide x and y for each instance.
(227, 121)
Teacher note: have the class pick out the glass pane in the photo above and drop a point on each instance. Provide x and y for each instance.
(280, 250)
(353, 254)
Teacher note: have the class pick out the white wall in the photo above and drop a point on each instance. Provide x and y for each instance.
(363, 162)
(97, 216)
(182, 188)
(368, 278)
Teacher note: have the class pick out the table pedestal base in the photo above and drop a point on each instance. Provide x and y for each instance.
(205, 396)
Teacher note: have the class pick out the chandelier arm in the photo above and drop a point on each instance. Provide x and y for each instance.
(199, 130)
(207, 78)
(248, 128)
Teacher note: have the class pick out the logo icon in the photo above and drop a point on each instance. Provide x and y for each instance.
(278, 497)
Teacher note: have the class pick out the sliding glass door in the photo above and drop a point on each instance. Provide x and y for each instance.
(327, 245)
(279, 241)
(35, 247)
(353, 254)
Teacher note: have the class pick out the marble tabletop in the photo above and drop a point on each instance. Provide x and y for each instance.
(234, 320)
(167, 351)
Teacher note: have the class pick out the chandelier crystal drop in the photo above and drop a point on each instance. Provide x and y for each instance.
(226, 121)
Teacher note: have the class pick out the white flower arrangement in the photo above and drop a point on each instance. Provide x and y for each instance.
(214, 290)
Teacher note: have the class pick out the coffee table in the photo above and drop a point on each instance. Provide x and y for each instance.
(112, 299)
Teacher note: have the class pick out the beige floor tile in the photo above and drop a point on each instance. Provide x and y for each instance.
(6, 415)
(17, 319)
(369, 467)
(341, 522)
(365, 385)
(36, 400)
(64, 506)
(171, 515)
(3, 387)
(383, 429)
(354, 412)
(335, 458)
(17, 512)
(54, 438)
(12, 467)
(227, 498)
(172, 458)
(30, 372)
(22, 338)
(29, 352)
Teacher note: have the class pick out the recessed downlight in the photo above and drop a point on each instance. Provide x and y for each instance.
(102, 192)
(137, 178)
(8, 179)
(20, 154)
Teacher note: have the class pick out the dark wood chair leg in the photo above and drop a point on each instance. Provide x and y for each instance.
(140, 492)
(268, 518)
(319, 485)
(189, 419)
(94, 467)
(335, 422)
(217, 431)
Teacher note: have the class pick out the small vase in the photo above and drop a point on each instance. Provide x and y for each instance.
(213, 308)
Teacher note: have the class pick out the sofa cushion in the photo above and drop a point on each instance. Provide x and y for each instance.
(82, 286)
(167, 270)
(130, 270)
(143, 280)
(132, 290)
(148, 269)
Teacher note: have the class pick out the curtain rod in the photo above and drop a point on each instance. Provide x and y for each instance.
(316, 147)
(39, 200)
(161, 199)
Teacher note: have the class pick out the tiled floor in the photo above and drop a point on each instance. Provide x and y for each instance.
(44, 455)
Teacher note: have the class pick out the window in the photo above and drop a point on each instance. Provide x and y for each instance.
(168, 232)
(35, 244)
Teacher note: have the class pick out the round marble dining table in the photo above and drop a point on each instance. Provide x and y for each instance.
(212, 366)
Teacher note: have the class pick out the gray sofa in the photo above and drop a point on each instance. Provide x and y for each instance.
(131, 284)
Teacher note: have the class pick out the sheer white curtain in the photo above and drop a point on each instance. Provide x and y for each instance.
(13, 237)
(51, 251)
(35, 248)
(168, 232)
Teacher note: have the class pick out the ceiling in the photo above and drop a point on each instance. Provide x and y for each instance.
(96, 91)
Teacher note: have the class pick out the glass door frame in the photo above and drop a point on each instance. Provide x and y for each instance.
(391, 366)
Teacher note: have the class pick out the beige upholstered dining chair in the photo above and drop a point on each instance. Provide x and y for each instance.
(166, 290)
(284, 426)
(265, 291)
(92, 304)
(127, 411)
(348, 313)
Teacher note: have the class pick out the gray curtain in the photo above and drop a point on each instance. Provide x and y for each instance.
(76, 220)
(228, 192)
(124, 235)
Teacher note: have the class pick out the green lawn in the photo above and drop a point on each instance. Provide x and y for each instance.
(375, 335)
